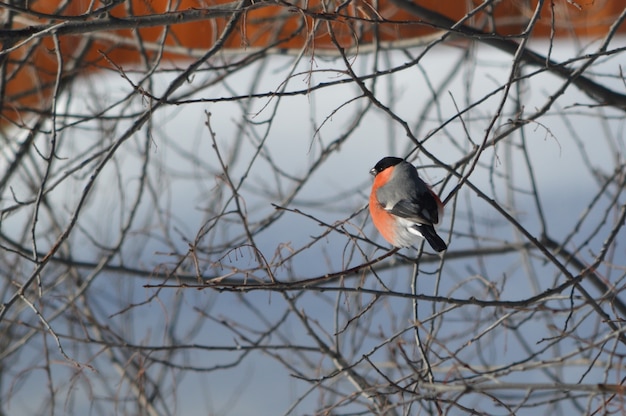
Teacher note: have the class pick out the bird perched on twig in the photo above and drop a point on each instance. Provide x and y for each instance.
(402, 205)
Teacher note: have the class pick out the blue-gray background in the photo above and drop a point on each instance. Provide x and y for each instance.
(198, 352)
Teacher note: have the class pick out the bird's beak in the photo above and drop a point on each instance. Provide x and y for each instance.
(373, 171)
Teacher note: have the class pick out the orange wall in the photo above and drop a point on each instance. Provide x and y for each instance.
(32, 67)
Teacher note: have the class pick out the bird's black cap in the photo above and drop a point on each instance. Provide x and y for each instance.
(385, 163)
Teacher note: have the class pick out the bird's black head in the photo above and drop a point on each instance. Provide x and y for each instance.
(385, 163)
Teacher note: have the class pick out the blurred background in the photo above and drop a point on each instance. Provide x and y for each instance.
(184, 224)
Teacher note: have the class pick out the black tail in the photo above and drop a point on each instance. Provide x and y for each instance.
(429, 233)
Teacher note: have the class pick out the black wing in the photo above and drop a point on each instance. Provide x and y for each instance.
(425, 212)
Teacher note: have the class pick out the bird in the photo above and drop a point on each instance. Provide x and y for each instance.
(402, 206)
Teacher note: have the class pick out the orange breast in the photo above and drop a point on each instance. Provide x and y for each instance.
(383, 220)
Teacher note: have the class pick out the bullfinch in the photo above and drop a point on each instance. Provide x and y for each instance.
(402, 205)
